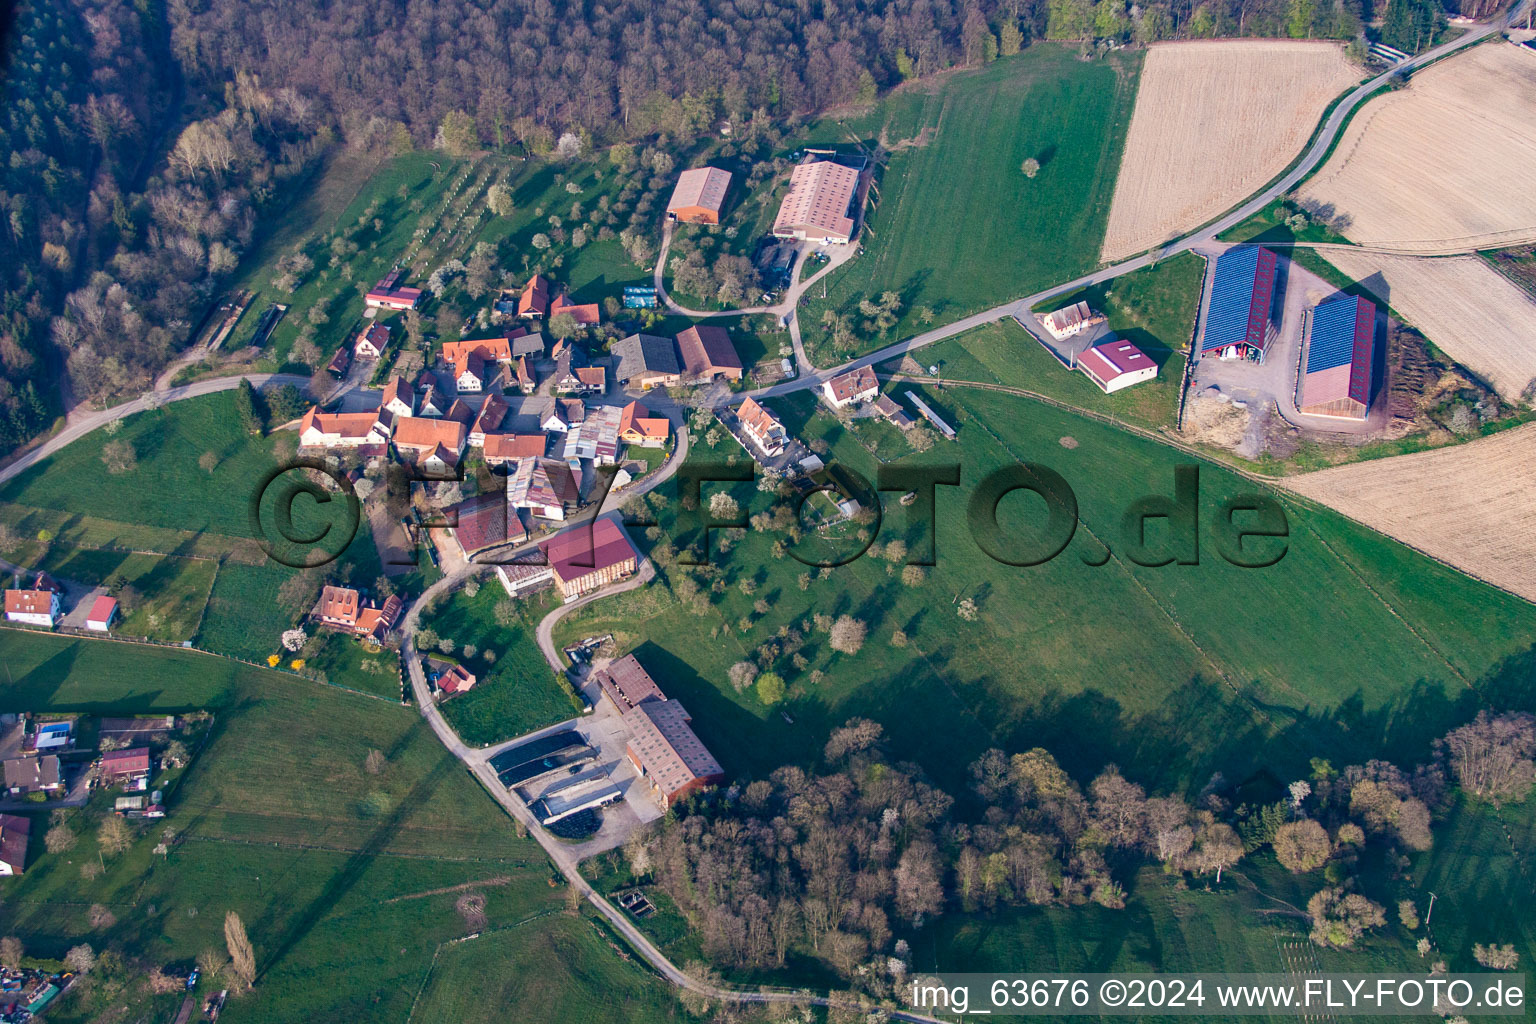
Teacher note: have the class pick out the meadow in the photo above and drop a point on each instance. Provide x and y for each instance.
(1172, 672)
(514, 694)
(337, 872)
(957, 241)
(164, 596)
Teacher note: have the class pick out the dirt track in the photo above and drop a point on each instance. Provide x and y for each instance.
(1472, 505)
(1193, 149)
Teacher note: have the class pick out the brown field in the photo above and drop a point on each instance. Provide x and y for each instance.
(1469, 311)
(1214, 121)
(1471, 505)
(1448, 161)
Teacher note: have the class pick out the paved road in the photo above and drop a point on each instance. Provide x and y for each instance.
(1310, 160)
(80, 425)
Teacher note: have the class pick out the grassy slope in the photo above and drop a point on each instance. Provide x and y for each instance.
(1153, 308)
(172, 590)
(283, 825)
(958, 227)
(1171, 672)
(517, 693)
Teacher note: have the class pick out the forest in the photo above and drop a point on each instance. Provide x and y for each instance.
(841, 863)
(148, 140)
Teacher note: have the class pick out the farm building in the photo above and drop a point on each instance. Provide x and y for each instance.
(635, 427)
(1341, 357)
(583, 560)
(763, 428)
(892, 414)
(15, 831)
(818, 206)
(708, 353)
(501, 448)
(667, 752)
(627, 684)
(1071, 320)
(341, 429)
(37, 605)
(390, 294)
(852, 387)
(340, 362)
(52, 736)
(485, 521)
(527, 376)
(931, 416)
(525, 574)
(125, 765)
(595, 438)
(699, 195)
(1239, 323)
(421, 434)
(646, 361)
(1114, 364)
(102, 614)
(545, 487)
(488, 421)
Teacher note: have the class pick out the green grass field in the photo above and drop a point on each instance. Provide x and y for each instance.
(1171, 672)
(958, 227)
(1154, 308)
(172, 591)
(514, 694)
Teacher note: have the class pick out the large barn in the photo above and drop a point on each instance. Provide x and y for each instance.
(818, 207)
(1341, 358)
(1240, 322)
(699, 195)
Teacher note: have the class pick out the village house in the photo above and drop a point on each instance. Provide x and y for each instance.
(707, 353)
(646, 361)
(489, 421)
(340, 362)
(341, 609)
(342, 429)
(586, 558)
(561, 414)
(430, 439)
(455, 679)
(430, 400)
(399, 398)
(25, 775)
(587, 314)
(763, 428)
(851, 388)
(636, 428)
(543, 486)
(37, 605)
(15, 834)
(503, 448)
(390, 294)
(893, 414)
(534, 301)
(1071, 320)
(372, 342)
(469, 374)
(527, 376)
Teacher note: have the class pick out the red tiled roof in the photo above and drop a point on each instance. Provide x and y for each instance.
(29, 602)
(456, 680)
(592, 376)
(420, 433)
(499, 349)
(515, 446)
(628, 684)
(486, 520)
(535, 298)
(339, 604)
(707, 350)
(634, 424)
(845, 385)
(102, 609)
(125, 762)
(1114, 358)
(588, 549)
(586, 314)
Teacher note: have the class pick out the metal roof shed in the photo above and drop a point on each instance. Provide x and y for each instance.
(1242, 294)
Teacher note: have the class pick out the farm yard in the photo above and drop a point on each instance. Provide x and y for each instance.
(1214, 121)
(955, 243)
(1447, 163)
(1472, 505)
(1473, 313)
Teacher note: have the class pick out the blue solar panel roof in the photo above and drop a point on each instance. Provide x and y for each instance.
(1240, 297)
(1335, 324)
